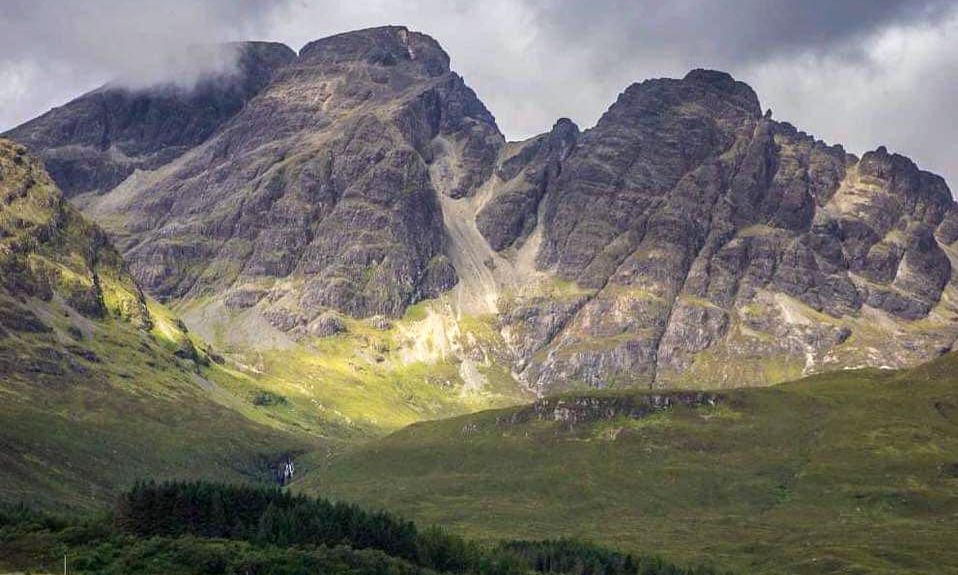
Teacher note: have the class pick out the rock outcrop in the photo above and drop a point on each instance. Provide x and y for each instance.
(48, 251)
(526, 174)
(686, 239)
(572, 411)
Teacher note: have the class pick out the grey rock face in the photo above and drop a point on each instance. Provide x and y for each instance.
(326, 325)
(96, 141)
(715, 236)
(512, 214)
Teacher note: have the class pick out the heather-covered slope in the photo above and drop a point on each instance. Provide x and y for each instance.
(848, 472)
(49, 252)
(686, 239)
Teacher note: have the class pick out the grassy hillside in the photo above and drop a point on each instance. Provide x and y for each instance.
(850, 472)
(81, 421)
(375, 375)
(98, 385)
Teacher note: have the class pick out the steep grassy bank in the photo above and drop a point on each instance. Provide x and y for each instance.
(98, 385)
(77, 426)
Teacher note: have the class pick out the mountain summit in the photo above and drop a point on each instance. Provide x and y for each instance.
(687, 238)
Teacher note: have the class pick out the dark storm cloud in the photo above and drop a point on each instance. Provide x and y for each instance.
(730, 31)
(858, 72)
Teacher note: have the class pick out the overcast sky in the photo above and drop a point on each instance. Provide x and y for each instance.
(857, 72)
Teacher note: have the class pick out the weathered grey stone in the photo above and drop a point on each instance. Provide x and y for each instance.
(326, 178)
(326, 324)
(687, 211)
(512, 214)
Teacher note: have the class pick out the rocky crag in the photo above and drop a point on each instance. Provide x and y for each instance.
(50, 254)
(687, 239)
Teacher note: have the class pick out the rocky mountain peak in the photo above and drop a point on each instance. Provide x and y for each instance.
(704, 236)
(723, 82)
(383, 46)
(924, 191)
(706, 90)
(263, 56)
(322, 193)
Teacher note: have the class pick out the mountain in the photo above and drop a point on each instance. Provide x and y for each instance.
(686, 239)
(846, 472)
(321, 182)
(305, 252)
(711, 243)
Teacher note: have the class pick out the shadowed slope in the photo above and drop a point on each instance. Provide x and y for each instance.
(96, 141)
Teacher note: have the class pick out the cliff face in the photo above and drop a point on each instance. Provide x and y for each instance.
(714, 242)
(49, 252)
(685, 239)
